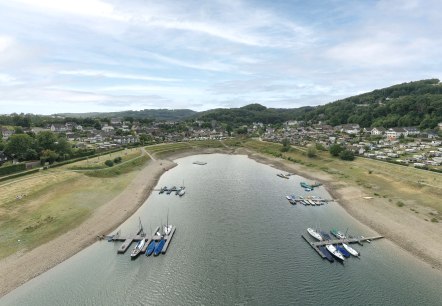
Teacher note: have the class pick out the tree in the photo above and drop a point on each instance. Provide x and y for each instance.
(285, 145)
(109, 163)
(46, 140)
(48, 156)
(63, 147)
(311, 152)
(335, 149)
(18, 145)
(347, 155)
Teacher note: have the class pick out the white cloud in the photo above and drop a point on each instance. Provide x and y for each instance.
(115, 75)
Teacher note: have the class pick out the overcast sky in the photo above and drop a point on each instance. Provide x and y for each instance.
(97, 55)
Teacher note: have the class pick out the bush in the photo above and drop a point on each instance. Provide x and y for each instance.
(12, 169)
(109, 163)
(311, 152)
(434, 220)
(335, 149)
(400, 203)
(118, 160)
(347, 155)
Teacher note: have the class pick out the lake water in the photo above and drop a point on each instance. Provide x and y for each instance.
(238, 241)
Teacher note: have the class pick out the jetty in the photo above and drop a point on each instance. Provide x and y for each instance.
(316, 244)
(128, 240)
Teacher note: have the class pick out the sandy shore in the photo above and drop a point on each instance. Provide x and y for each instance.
(392, 223)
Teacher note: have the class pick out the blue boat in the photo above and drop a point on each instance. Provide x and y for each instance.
(150, 248)
(343, 251)
(325, 236)
(326, 253)
(159, 247)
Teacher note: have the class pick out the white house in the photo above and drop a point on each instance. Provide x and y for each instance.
(394, 133)
(376, 131)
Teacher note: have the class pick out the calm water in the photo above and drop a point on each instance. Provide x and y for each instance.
(237, 242)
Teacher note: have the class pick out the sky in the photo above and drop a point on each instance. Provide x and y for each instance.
(109, 55)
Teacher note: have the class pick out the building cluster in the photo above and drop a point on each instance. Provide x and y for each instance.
(405, 145)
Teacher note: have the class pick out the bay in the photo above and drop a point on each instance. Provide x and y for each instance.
(238, 241)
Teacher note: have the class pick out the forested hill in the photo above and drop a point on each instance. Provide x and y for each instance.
(250, 113)
(409, 104)
(156, 114)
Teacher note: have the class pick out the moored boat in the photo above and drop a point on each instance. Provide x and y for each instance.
(325, 236)
(337, 233)
(182, 191)
(350, 250)
(150, 248)
(326, 253)
(343, 251)
(159, 247)
(314, 234)
(137, 249)
(331, 248)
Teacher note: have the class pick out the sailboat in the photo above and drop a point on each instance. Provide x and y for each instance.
(314, 234)
(136, 251)
(331, 248)
(167, 229)
(350, 250)
(150, 248)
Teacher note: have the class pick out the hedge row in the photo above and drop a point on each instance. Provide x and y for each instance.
(82, 158)
(19, 174)
(12, 169)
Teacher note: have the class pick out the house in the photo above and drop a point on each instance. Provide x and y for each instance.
(350, 128)
(107, 128)
(58, 128)
(6, 133)
(3, 157)
(411, 131)
(115, 121)
(394, 133)
(376, 131)
(439, 126)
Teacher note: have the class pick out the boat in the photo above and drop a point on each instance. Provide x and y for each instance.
(314, 234)
(282, 175)
(331, 248)
(325, 236)
(167, 229)
(169, 191)
(200, 163)
(326, 253)
(182, 192)
(343, 251)
(350, 250)
(163, 189)
(305, 185)
(337, 233)
(291, 199)
(150, 248)
(137, 249)
(159, 247)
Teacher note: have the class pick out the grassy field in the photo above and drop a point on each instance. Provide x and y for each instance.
(401, 186)
(54, 201)
(162, 150)
(98, 162)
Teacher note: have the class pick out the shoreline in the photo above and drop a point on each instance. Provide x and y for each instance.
(19, 268)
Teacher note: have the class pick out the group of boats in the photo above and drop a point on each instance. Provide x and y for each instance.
(286, 176)
(310, 200)
(155, 245)
(331, 251)
(180, 191)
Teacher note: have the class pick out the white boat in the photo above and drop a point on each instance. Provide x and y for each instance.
(137, 249)
(182, 192)
(167, 229)
(350, 250)
(314, 234)
(331, 248)
(368, 240)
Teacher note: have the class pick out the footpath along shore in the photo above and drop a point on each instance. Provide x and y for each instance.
(387, 221)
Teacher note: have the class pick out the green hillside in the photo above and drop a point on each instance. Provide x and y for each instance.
(409, 104)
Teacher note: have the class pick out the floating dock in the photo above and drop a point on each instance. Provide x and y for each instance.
(316, 244)
(127, 241)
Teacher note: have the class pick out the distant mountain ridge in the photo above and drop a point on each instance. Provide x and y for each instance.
(158, 114)
(416, 103)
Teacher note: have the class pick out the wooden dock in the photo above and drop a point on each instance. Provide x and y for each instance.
(316, 244)
(127, 241)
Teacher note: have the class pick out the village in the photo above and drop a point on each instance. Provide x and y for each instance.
(402, 145)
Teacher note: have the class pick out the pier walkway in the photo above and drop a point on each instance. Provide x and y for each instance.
(316, 244)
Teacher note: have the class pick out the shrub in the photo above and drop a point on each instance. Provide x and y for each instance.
(109, 163)
(118, 160)
(347, 155)
(434, 220)
(12, 169)
(335, 149)
(311, 152)
(400, 203)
